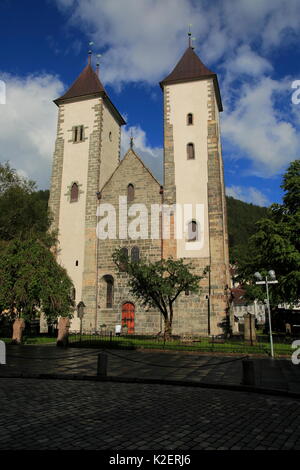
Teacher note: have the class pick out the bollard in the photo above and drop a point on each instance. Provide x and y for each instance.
(248, 372)
(102, 365)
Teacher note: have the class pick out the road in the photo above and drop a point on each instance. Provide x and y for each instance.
(69, 414)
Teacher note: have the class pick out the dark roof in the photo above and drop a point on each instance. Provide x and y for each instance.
(237, 295)
(191, 68)
(88, 84)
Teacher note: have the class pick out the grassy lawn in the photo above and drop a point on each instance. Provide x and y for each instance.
(203, 345)
(35, 340)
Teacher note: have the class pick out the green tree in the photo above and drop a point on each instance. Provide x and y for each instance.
(31, 280)
(276, 244)
(23, 210)
(158, 284)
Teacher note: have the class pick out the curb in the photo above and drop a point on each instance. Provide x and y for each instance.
(182, 383)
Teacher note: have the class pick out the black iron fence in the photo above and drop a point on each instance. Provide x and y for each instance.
(234, 344)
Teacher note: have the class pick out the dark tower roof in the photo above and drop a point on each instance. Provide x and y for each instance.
(191, 68)
(88, 84)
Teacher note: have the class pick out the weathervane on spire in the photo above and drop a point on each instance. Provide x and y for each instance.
(90, 52)
(190, 37)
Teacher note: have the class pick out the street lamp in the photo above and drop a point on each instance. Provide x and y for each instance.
(267, 281)
(80, 313)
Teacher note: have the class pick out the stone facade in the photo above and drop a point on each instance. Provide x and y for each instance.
(95, 165)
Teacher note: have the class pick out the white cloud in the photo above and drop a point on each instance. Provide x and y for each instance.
(248, 194)
(259, 130)
(151, 156)
(28, 124)
(142, 39)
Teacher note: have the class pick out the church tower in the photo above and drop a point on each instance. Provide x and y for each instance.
(193, 174)
(87, 151)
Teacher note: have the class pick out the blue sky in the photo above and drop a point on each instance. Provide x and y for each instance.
(252, 45)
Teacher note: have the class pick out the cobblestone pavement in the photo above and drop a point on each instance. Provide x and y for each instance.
(59, 414)
(212, 369)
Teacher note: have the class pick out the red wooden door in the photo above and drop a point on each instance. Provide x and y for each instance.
(128, 317)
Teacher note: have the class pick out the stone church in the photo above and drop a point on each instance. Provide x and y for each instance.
(88, 171)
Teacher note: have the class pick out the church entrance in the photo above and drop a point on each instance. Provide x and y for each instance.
(128, 317)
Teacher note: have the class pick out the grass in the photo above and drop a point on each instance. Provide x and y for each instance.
(34, 340)
(204, 345)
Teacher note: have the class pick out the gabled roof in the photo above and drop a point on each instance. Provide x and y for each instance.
(88, 84)
(190, 68)
(126, 156)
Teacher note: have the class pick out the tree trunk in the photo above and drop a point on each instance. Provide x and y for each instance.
(63, 332)
(18, 327)
(168, 329)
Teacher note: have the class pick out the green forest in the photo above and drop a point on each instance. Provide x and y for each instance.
(241, 219)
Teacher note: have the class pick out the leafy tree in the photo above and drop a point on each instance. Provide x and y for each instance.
(31, 279)
(241, 218)
(276, 244)
(23, 210)
(158, 284)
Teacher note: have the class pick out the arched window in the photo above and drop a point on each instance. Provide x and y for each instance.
(130, 192)
(124, 251)
(135, 254)
(192, 231)
(190, 151)
(109, 290)
(189, 119)
(74, 192)
(73, 294)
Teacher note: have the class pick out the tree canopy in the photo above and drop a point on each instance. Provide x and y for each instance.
(23, 209)
(276, 244)
(30, 279)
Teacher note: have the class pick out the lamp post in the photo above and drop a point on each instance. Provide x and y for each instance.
(267, 281)
(80, 313)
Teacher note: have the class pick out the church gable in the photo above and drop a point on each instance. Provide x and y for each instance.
(132, 179)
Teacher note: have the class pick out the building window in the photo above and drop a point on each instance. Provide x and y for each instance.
(110, 136)
(109, 290)
(124, 251)
(73, 294)
(78, 134)
(76, 262)
(190, 151)
(74, 192)
(187, 292)
(192, 231)
(189, 119)
(130, 192)
(135, 254)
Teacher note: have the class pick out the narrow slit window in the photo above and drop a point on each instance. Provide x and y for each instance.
(81, 134)
(124, 251)
(135, 254)
(109, 290)
(189, 119)
(190, 151)
(74, 192)
(130, 192)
